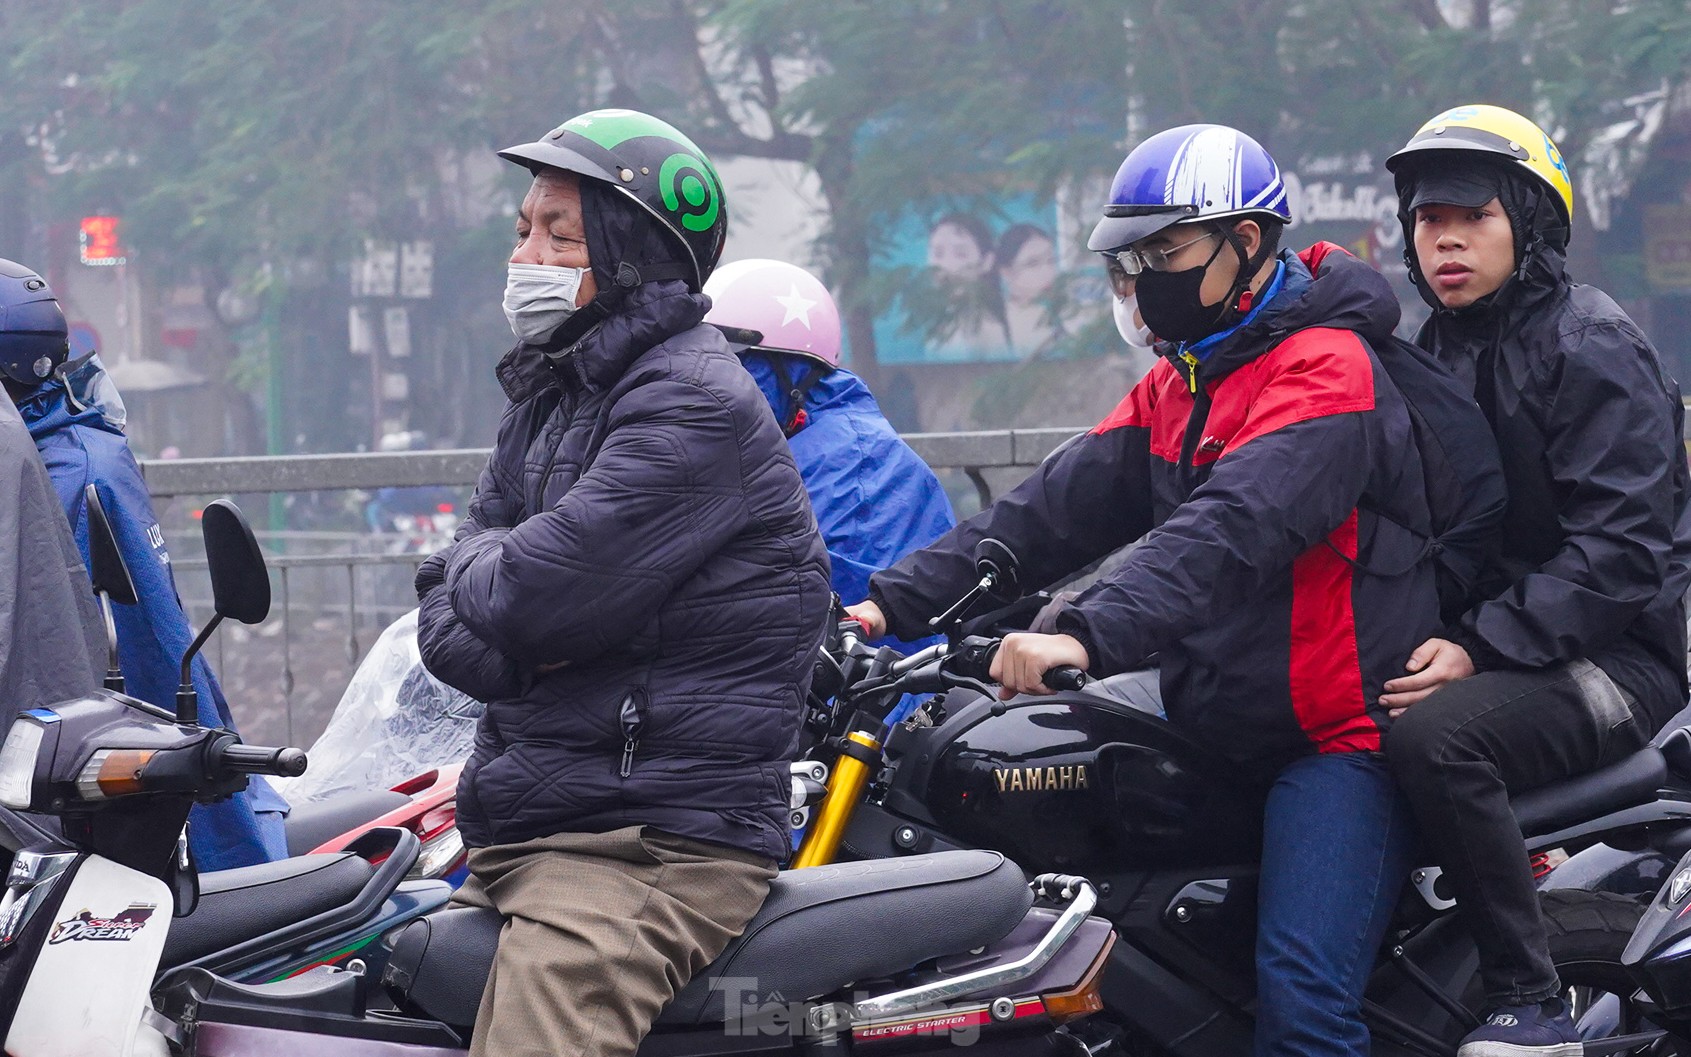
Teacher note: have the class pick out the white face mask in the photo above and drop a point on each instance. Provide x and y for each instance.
(539, 298)
(1129, 323)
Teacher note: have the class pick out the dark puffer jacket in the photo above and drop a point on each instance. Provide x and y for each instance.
(641, 526)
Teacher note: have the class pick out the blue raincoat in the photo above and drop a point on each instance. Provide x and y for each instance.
(874, 498)
(79, 445)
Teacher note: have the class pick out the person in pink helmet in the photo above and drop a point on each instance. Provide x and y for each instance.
(874, 497)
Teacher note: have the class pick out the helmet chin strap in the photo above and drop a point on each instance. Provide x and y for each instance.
(1237, 304)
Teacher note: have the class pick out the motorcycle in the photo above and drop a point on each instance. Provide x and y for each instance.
(975, 958)
(418, 520)
(1082, 782)
(1658, 957)
(256, 923)
(425, 804)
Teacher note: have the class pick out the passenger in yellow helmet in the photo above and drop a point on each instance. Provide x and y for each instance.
(1572, 652)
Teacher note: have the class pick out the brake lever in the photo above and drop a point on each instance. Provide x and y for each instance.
(974, 656)
(968, 664)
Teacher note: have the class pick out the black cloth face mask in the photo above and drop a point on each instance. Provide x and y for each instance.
(1171, 305)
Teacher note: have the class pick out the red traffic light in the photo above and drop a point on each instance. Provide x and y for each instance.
(99, 241)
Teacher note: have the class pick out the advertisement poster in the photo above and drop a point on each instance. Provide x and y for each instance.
(1014, 282)
(987, 286)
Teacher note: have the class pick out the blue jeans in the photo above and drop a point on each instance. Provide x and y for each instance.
(1337, 842)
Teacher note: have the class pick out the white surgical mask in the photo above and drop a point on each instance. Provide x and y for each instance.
(1131, 327)
(538, 298)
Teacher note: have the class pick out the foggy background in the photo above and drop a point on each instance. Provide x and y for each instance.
(282, 225)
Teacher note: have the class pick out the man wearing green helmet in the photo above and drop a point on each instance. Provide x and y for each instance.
(637, 594)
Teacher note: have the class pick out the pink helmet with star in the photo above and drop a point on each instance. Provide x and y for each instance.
(787, 308)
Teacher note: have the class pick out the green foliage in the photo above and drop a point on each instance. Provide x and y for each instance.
(249, 131)
(297, 127)
(271, 130)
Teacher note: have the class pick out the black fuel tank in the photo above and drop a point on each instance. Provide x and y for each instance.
(1076, 782)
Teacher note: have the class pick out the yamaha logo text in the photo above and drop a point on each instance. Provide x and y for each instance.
(1041, 779)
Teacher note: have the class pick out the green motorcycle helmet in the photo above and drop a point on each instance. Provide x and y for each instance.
(649, 161)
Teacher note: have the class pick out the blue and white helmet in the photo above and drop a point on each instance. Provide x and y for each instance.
(1189, 173)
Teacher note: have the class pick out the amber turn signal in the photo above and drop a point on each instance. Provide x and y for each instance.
(1083, 1000)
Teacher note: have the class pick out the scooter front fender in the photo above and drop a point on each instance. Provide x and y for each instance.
(88, 986)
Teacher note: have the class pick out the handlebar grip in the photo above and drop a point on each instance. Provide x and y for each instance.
(861, 627)
(256, 759)
(1064, 677)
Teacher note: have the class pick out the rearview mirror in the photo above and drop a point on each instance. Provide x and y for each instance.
(112, 582)
(994, 559)
(107, 569)
(240, 588)
(999, 574)
(240, 585)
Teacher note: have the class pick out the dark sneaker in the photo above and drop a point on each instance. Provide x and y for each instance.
(1543, 1030)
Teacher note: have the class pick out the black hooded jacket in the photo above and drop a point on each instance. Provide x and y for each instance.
(1596, 554)
(1265, 482)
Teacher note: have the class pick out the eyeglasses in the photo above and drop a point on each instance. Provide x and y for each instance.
(1125, 266)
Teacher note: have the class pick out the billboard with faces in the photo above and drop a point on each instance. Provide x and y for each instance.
(1015, 281)
(1005, 284)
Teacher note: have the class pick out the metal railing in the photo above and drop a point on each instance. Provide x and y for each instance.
(972, 453)
(336, 590)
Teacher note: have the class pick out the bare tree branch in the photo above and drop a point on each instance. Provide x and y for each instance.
(1376, 42)
(766, 79)
(726, 134)
(1427, 13)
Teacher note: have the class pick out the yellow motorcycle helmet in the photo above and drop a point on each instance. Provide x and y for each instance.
(1480, 128)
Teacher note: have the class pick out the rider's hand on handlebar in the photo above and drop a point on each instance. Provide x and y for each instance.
(1020, 664)
(871, 616)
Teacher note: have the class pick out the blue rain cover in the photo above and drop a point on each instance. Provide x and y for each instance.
(875, 499)
(79, 447)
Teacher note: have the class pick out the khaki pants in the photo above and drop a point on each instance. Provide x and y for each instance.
(602, 930)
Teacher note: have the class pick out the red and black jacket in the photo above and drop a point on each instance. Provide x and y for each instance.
(1279, 492)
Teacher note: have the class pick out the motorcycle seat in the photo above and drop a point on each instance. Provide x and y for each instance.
(1624, 783)
(240, 904)
(311, 824)
(821, 929)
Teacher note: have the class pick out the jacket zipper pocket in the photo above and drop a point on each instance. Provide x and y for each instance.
(631, 723)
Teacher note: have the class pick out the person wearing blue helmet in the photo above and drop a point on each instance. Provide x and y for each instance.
(52, 640)
(1269, 464)
(81, 444)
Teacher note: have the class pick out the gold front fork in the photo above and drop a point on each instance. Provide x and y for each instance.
(845, 789)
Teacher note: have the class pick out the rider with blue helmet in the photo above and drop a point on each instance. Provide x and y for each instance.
(80, 444)
(1268, 463)
(1192, 178)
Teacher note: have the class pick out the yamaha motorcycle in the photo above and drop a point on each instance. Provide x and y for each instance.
(980, 955)
(1079, 781)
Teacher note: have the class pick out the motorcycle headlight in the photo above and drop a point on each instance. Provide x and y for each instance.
(18, 755)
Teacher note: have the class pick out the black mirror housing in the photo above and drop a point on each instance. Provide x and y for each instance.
(995, 559)
(240, 584)
(106, 566)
